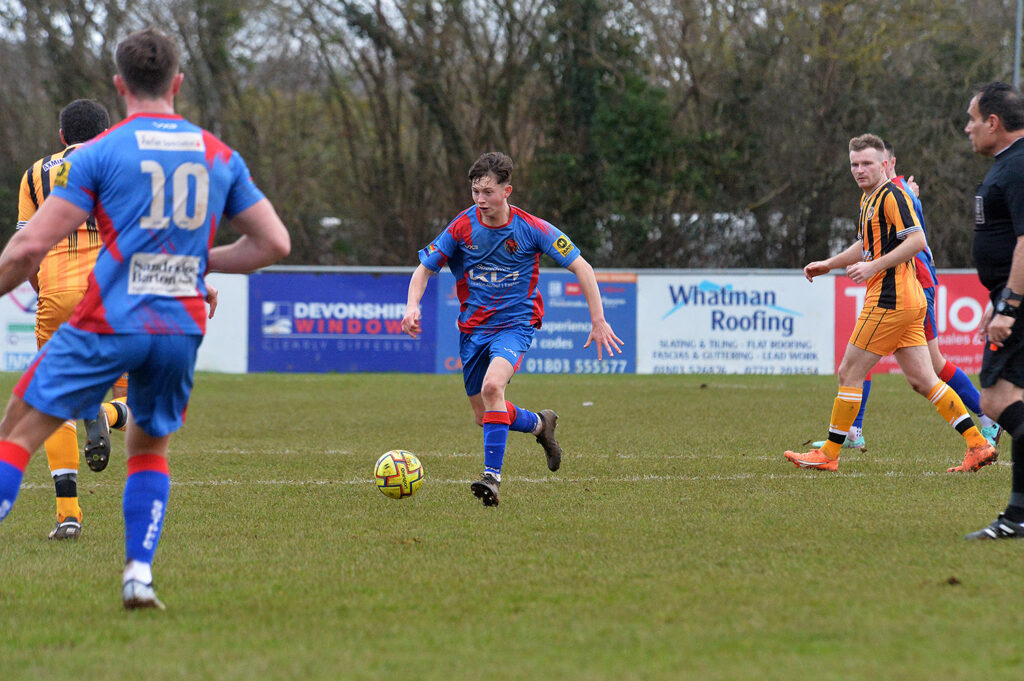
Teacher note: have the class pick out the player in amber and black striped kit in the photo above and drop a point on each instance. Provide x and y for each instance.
(995, 128)
(61, 282)
(891, 320)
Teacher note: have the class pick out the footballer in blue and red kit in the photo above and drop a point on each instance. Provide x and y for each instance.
(494, 251)
(157, 185)
(496, 272)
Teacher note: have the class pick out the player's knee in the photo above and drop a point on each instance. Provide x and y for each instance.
(492, 390)
(919, 386)
(846, 376)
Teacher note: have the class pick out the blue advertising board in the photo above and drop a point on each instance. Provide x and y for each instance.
(558, 345)
(331, 321)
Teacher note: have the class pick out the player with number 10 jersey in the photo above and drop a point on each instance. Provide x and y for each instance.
(192, 179)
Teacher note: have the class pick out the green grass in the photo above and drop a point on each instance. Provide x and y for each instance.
(675, 543)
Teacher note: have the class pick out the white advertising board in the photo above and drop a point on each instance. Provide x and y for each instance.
(734, 323)
(225, 347)
(17, 322)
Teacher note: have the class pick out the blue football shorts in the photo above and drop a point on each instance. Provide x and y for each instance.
(71, 374)
(930, 327)
(478, 349)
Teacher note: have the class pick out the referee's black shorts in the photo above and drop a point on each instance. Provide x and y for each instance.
(1006, 362)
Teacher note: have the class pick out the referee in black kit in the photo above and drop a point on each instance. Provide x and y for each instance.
(995, 129)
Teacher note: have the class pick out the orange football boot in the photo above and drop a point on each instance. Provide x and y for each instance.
(815, 459)
(975, 458)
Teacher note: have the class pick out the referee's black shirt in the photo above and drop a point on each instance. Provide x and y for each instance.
(999, 217)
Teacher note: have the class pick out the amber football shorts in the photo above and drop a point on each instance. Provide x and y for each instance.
(883, 331)
(53, 310)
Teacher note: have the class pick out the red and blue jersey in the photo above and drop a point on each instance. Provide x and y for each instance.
(158, 186)
(924, 264)
(496, 268)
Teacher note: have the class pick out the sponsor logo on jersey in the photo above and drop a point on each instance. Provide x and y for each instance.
(979, 210)
(563, 245)
(163, 274)
(52, 163)
(493, 276)
(61, 180)
(157, 140)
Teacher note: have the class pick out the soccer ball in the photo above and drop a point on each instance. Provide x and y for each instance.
(398, 473)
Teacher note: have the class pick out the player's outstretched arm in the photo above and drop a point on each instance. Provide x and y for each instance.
(417, 285)
(819, 267)
(264, 241)
(601, 331)
(54, 220)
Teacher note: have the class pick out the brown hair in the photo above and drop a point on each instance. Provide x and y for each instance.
(495, 163)
(868, 141)
(147, 61)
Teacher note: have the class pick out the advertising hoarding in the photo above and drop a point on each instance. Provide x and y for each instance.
(960, 302)
(734, 323)
(558, 345)
(18, 320)
(346, 322)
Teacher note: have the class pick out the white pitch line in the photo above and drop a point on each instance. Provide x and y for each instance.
(791, 475)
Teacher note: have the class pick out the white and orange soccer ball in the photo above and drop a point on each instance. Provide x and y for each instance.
(398, 474)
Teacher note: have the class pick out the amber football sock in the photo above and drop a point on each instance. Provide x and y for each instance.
(117, 413)
(951, 407)
(844, 412)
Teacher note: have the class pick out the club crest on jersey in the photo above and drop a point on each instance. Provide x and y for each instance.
(61, 179)
(511, 246)
(563, 245)
(871, 212)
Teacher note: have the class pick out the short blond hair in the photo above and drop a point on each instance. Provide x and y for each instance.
(867, 141)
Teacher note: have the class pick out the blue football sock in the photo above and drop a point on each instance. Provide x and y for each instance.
(13, 461)
(495, 437)
(859, 421)
(963, 387)
(525, 421)
(10, 483)
(145, 502)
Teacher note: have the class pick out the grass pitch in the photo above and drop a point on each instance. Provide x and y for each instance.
(675, 543)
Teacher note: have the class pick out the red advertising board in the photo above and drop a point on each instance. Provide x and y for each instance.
(960, 301)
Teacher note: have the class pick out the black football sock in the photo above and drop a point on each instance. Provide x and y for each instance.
(1012, 421)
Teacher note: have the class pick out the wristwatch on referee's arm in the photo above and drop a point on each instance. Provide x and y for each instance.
(1003, 305)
